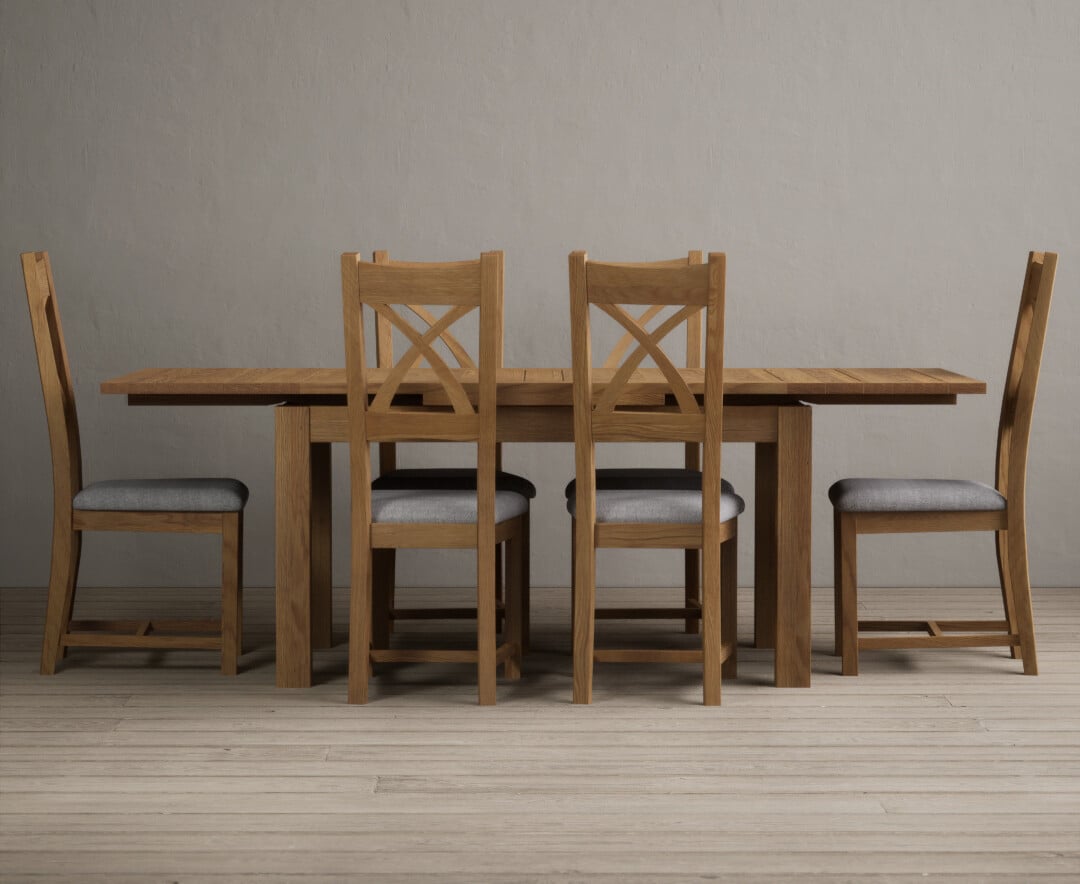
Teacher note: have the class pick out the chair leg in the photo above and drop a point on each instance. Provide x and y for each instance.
(1001, 543)
(526, 585)
(63, 573)
(573, 579)
(584, 611)
(1021, 593)
(692, 567)
(712, 624)
(389, 563)
(500, 589)
(845, 591)
(360, 620)
(232, 591)
(382, 573)
(729, 604)
(512, 623)
(838, 596)
(70, 613)
(486, 665)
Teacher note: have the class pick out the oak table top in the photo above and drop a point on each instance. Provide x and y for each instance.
(543, 386)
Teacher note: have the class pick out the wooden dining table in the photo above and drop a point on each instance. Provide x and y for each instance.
(769, 407)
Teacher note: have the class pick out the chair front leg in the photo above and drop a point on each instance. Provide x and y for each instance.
(70, 612)
(845, 592)
(63, 574)
(1001, 543)
(573, 580)
(232, 591)
(512, 623)
(729, 604)
(526, 585)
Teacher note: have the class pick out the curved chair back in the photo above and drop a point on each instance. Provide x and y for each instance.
(56, 385)
(1018, 400)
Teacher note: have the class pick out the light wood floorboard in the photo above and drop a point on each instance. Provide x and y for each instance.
(151, 766)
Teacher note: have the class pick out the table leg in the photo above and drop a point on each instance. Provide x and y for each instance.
(292, 508)
(793, 508)
(322, 562)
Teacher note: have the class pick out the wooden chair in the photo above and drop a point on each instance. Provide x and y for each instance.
(687, 477)
(652, 518)
(199, 506)
(391, 477)
(901, 506)
(388, 519)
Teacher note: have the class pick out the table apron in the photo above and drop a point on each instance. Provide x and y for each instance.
(555, 423)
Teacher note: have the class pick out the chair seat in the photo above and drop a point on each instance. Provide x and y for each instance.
(440, 506)
(449, 479)
(657, 505)
(164, 496)
(645, 478)
(913, 496)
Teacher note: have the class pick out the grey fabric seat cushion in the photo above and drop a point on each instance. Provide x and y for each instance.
(164, 496)
(641, 478)
(913, 496)
(450, 479)
(444, 507)
(656, 505)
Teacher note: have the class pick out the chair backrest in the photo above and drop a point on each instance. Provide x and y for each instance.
(1018, 401)
(384, 330)
(692, 456)
(693, 323)
(56, 383)
(384, 345)
(598, 416)
(461, 287)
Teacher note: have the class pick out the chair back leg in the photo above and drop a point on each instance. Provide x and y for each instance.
(711, 625)
(1020, 590)
(360, 623)
(486, 665)
(584, 611)
(382, 595)
(692, 596)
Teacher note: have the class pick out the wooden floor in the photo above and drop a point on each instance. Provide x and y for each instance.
(133, 766)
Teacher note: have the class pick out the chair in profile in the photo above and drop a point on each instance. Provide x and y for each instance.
(684, 478)
(704, 518)
(394, 478)
(198, 506)
(896, 506)
(428, 517)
